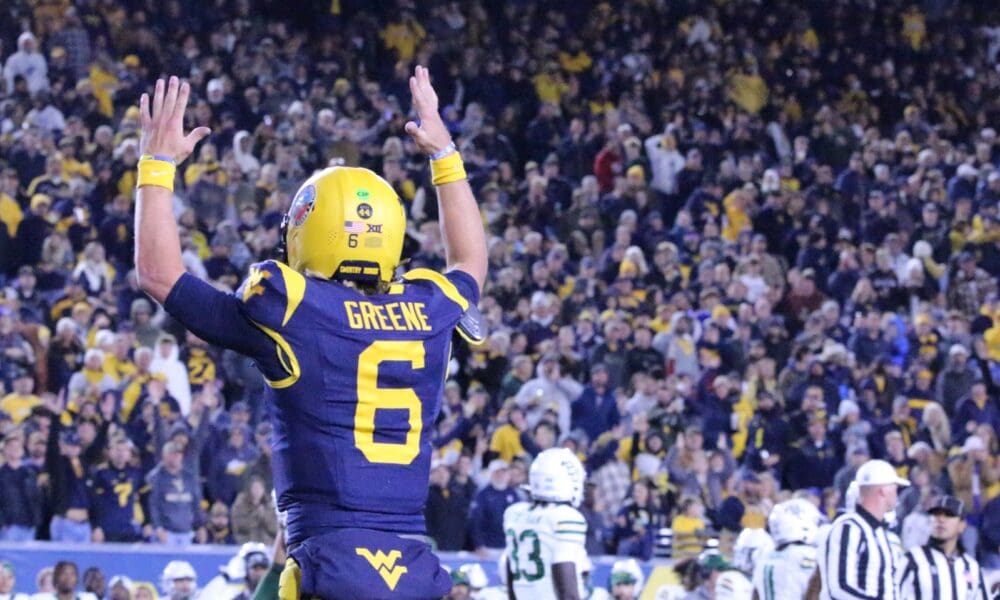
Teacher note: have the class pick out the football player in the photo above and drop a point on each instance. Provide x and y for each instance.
(784, 572)
(179, 581)
(354, 356)
(625, 581)
(751, 546)
(545, 556)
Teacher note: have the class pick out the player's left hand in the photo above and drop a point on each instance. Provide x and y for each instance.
(430, 135)
(163, 126)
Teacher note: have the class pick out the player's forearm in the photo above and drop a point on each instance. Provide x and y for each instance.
(158, 263)
(564, 578)
(462, 229)
(163, 146)
(814, 588)
(510, 581)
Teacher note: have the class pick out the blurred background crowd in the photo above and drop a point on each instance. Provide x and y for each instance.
(736, 249)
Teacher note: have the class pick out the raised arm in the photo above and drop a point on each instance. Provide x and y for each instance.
(461, 223)
(162, 146)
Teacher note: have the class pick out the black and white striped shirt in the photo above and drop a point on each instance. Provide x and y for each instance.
(856, 560)
(929, 573)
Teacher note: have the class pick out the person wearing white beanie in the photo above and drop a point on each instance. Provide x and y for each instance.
(27, 62)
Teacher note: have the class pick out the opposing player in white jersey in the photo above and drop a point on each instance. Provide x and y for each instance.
(546, 555)
(750, 548)
(625, 581)
(784, 572)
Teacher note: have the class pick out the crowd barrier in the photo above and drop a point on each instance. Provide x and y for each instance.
(145, 562)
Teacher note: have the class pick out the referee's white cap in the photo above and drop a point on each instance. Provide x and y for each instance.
(878, 472)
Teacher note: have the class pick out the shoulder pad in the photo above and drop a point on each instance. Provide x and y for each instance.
(512, 510)
(441, 282)
(271, 293)
(568, 521)
(566, 513)
(459, 294)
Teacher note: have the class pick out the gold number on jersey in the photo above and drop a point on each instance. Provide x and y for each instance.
(124, 492)
(371, 398)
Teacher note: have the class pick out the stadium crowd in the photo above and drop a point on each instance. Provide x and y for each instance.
(736, 249)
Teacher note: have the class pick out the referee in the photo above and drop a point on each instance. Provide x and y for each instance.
(939, 570)
(856, 561)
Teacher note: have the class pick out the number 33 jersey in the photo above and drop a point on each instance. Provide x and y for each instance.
(538, 536)
(357, 393)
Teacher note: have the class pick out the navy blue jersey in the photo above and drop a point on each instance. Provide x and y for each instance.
(355, 385)
(114, 499)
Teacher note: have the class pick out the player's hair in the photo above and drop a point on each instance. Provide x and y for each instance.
(368, 288)
(63, 565)
(690, 573)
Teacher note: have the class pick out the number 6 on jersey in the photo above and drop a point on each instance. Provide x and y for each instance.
(371, 398)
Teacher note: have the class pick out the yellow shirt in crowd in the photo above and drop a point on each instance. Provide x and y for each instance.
(506, 442)
(11, 214)
(403, 38)
(19, 406)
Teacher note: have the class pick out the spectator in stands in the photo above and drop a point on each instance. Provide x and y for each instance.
(596, 409)
(769, 436)
(549, 390)
(27, 63)
(261, 466)
(229, 463)
(20, 508)
(447, 511)
(689, 527)
(218, 528)
(65, 355)
(22, 399)
(146, 332)
(166, 362)
(174, 499)
(68, 492)
(91, 380)
(817, 461)
(744, 506)
(506, 439)
(682, 455)
(969, 473)
(486, 510)
(955, 379)
(114, 495)
(637, 522)
(254, 518)
(990, 535)
(976, 409)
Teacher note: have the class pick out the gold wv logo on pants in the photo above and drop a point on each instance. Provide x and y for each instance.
(385, 564)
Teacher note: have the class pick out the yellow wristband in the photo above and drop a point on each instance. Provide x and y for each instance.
(156, 172)
(447, 169)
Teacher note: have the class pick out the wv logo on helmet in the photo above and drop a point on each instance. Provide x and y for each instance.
(385, 564)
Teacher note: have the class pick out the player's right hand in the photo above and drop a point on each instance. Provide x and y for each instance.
(429, 134)
(163, 123)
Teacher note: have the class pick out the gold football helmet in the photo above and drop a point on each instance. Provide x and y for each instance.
(344, 223)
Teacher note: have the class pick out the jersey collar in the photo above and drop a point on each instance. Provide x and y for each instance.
(869, 518)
